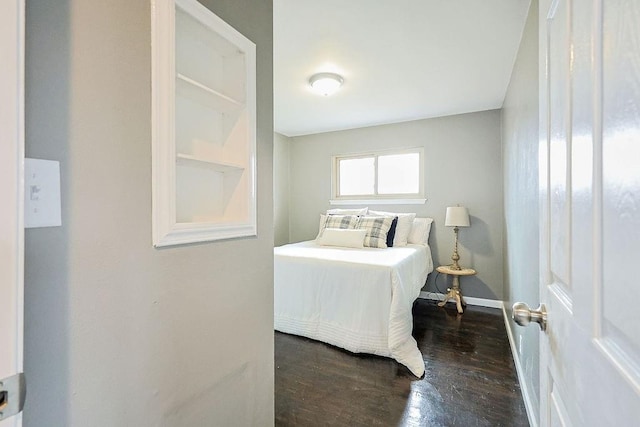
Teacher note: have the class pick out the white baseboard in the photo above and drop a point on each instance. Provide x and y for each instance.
(524, 386)
(482, 302)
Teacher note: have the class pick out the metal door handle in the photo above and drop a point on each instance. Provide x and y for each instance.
(523, 315)
(12, 395)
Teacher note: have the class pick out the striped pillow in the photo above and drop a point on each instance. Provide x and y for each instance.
(377, 228)
(339, 221)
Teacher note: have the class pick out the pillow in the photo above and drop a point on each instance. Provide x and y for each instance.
(377, 229)
(392, 232)
(339, 221)
(362, 211)
(420, 231)
(403, 228)
(342, 237)
(323, 219)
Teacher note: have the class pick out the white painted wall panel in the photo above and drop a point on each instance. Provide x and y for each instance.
(119, 333)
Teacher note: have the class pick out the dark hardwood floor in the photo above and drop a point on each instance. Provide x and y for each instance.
(470, 377)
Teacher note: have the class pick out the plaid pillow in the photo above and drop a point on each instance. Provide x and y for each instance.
(377, 228)
(339, 221)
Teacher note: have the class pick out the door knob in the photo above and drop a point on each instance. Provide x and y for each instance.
(523, 315)
(12, 393)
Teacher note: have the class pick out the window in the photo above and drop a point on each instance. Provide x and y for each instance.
(379, 176)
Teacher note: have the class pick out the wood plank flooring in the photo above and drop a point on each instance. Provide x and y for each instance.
(470, 377)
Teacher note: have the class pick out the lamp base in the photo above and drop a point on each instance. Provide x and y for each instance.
(455, 257)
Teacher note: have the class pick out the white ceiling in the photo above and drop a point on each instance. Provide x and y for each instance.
(401, 59)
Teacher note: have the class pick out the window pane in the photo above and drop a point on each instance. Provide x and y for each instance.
(356, 176)
(399, 174)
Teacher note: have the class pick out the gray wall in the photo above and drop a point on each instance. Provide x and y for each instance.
(281, 179)
(119, 333)
(463, 165)
(520, 153)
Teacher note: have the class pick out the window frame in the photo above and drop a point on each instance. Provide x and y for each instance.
(398, 198)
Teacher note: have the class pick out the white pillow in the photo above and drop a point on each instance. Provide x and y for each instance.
(337, 211)
(342, 237)
(403, 227)
(420, 231)
(323, 220)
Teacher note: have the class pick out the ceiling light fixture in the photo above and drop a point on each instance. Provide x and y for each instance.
(326, 83)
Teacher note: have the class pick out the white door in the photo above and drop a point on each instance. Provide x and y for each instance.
(11, 196)
(590, 217)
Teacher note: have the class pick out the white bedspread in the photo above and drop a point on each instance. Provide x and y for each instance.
(357, 299)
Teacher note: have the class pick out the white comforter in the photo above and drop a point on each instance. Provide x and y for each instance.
(357, 299)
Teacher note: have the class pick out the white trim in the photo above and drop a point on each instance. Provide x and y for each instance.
(12, 130)
(378, 202)
(481, 302)
(524, 385)
(620, 360)
(241, 220)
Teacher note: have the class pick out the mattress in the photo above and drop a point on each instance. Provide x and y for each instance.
(356, 299)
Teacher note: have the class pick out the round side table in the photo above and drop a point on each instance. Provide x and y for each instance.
(454, 292)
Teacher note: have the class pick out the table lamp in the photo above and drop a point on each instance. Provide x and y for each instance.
(457, 216)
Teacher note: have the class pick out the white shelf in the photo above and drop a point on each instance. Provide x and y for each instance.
(205, 95)
(215, 59)
(204, 126)
(193, 161)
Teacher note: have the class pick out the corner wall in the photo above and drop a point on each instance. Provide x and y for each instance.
(462, 165)
(521, 207)
(119, 333)
(281, 179)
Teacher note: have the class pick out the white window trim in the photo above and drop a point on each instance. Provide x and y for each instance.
(385, 199)
(398, 201)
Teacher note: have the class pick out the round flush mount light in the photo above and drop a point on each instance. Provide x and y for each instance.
(325, 83)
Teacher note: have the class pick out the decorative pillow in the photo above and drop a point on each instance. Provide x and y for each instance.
(420, 231)
(323, 219)
(405, 221)
(361, 211)
(392, 232)
(342, 237)
(339, 221)
(377, 229)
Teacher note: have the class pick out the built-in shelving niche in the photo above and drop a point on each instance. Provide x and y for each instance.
(204, 127)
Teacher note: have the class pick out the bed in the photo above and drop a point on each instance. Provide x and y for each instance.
(356, 299)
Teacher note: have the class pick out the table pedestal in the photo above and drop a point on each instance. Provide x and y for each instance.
(455, 294)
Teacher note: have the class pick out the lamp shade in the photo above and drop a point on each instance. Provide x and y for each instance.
(457, 216)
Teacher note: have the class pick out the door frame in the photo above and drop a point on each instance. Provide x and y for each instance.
(12, 152)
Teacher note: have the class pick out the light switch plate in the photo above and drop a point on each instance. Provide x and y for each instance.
(42, 205)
